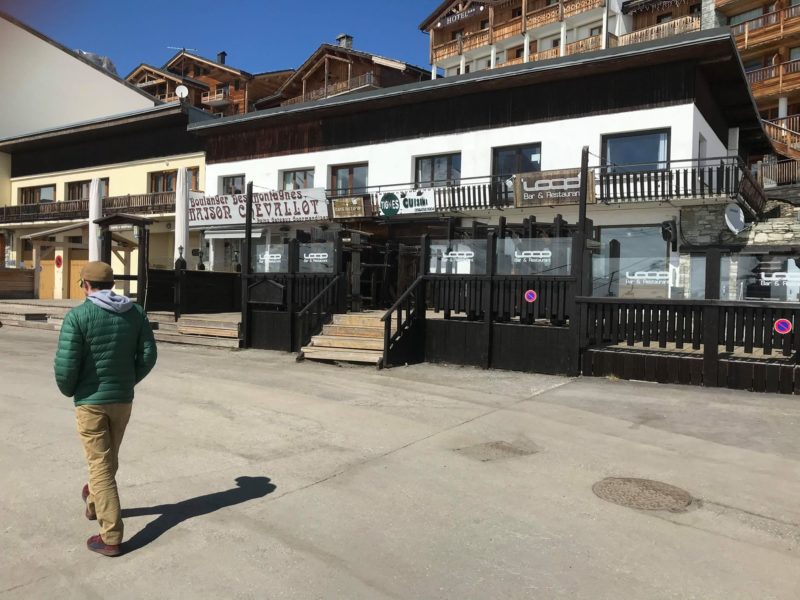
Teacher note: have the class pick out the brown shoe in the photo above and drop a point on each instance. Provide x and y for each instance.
(84, 495)
(96, 544)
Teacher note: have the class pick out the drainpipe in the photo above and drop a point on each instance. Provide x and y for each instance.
(526, 51)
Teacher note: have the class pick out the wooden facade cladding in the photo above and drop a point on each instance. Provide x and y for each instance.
(644, 88)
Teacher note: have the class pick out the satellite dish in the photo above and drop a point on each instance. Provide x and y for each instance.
(734, 218)
(181, 91)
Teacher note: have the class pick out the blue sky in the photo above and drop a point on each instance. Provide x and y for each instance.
(258, 36)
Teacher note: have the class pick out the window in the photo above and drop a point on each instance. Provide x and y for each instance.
(434, 171)
(164, 181)
(695, 9)
(236, 84)
(624, 270)
(745, 16)
(485, 24)
(79, 190)
(233, 184)
(519, 52)
(665, 18)
(466, 68)
(457, 35)
(516, 12)
(752, 65)
(555, 43)
(34, 195)
(794, 53)
(516, 159)
(597, 30)
(349, 179)
(298, 180)
(550, 2)
(636, 151)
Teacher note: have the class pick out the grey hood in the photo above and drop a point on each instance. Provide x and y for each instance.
(108, 300)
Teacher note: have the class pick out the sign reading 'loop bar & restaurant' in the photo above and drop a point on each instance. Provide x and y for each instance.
(547, 188)
(268, 207)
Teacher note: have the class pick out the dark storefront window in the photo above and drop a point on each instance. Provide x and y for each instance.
(636, 151)
(79, 190)
(349, 179)
(298, 180)
(233, 185)
(436, 171)
(516, 159)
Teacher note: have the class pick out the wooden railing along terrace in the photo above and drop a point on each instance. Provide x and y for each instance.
(163, 202)
(544, 16)
(588, 44)
(574, 7)
(663, 30)
(780, 173)
(475, 40)
(768, 28)
(546, 54)
(508, 29)
(333, 89)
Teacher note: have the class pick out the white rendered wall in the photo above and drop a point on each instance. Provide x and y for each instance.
(45, 87)
(392, 163)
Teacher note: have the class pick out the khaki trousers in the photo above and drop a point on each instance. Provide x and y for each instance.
(101, 427)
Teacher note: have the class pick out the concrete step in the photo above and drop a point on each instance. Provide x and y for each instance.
(14, 307)
(43, 325)
(354, 343)
(359, 319)
(170, 326)
(372, 357)
(193, 321)
(195, 340)
(352, 331)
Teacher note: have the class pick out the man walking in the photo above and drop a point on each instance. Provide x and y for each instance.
(105, 348)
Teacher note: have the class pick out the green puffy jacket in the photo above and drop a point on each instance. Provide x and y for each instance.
(102, 355)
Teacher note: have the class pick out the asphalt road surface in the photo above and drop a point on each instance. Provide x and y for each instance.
(247, 475)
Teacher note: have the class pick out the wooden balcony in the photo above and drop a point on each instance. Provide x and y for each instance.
(446, 50)
(664, 30)
(163, 202)
(479, 39)
(543, 16)
(594, 42)
(217, 98)
(767, 29)
(367, 80)
(508, 29)
(513, 61)
(546, 54)
(775, 80)
(576, 7)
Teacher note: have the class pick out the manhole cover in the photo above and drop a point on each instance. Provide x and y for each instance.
(643, 494)
(497, 450)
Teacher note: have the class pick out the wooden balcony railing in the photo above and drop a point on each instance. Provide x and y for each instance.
(594, 42)
(775, 79)
(663, 30)
(216, 96)
(475, 40)
(543, 16)
(446, 50)
(574, 7)
(513, 61)
(163, 202)
(768, 28)
(508, 29)
(546, 54)
(779, 173)
(334, 89)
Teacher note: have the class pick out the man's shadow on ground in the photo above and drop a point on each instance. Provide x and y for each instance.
(248, 488)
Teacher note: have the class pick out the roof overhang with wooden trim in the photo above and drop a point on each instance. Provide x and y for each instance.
(208, 62)
(454, 7)
(145, 68)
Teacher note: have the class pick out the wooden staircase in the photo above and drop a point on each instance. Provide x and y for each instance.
(354, 337)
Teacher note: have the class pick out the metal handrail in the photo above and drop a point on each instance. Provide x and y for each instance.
(402, 298)
(319, 296)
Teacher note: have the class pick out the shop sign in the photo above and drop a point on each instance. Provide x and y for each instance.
(268, 258)
(779, 279)
(532, 256)
(290, 206)
(546, 188)
(408, 202)
(350, 208)
(316, 258)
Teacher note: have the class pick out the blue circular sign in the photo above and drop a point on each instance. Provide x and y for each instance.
(531, 296)
(783, 326)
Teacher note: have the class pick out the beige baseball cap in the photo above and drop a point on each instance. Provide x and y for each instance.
(97, 272)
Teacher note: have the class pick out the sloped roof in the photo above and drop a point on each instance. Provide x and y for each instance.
(168, 75)
(207, 61)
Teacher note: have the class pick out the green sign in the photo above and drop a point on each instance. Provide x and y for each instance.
(390, 204)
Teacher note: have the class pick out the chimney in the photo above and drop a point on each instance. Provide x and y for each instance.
(345, 41)
(221, 57)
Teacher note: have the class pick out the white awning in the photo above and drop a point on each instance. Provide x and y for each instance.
(231, 234)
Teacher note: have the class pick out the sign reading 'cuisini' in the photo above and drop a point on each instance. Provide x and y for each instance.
(268, 207)
(550, 187)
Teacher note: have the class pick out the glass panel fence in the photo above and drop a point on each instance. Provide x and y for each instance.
(767, 277)
(317, 258)
(270, 258)
(534, 256)
(457, 257)
(681, 277)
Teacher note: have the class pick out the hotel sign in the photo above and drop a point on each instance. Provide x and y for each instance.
(546, 188)
(350, 208)
(409, 202)
(268, 207)
(461, 16)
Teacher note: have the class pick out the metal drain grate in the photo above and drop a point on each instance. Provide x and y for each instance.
(643, 494)
(497, 450)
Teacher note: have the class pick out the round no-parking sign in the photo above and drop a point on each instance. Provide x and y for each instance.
(783, 326)
(531, 296)
(59, 262)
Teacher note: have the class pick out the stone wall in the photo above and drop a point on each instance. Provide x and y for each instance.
(705, 226)
(709, 18)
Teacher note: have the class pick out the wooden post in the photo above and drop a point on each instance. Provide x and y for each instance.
(424, 254)
(105, 245)
(326, 77)
(613, 268)
(338, 271)
(486, 358)
(247, 267)
(501, 228)
(577, 316)
(355, 272)
(711, 320)
(141, 273)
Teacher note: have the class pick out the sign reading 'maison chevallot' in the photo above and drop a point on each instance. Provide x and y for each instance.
(268, 207)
